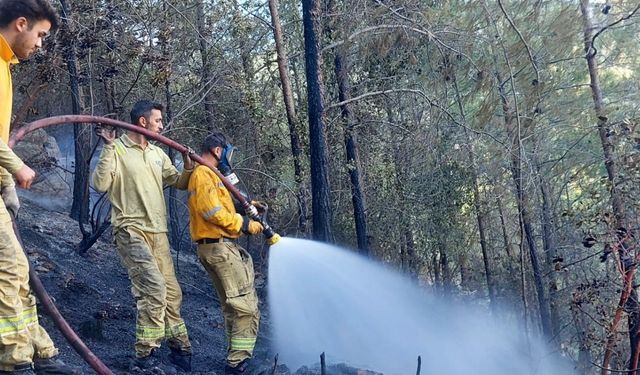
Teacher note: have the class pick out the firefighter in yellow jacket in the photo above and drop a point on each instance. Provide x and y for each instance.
(215, 226)
(24, 345)
(134, 172)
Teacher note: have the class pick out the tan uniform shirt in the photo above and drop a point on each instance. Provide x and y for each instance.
(134, 177)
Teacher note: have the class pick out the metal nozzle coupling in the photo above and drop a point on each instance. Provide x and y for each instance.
(271, 236)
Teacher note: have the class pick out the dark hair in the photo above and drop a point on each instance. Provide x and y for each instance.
(213, 140)
(143, 108)
(32, 10)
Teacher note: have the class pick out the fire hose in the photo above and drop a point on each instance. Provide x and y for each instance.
(38, 289)
(47, 303)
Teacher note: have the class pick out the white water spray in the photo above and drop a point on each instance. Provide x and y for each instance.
(325, 299)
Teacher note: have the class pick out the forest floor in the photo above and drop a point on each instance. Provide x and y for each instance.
(92, 291)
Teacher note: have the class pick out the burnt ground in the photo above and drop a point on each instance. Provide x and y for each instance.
(92, 291)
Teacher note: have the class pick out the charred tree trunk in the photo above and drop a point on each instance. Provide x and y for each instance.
(292, 119)
(351, 144)
(320, 189)
(446, 272)
(206, 68)
(81, 134)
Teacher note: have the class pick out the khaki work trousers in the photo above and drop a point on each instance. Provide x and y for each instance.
(231, 270)
(21, 336)
(147, 258)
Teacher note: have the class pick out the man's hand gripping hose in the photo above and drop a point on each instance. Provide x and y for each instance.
(257, 211)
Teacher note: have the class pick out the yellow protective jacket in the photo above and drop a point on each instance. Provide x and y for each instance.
(134, 178)
(211, 210)
(9, 162)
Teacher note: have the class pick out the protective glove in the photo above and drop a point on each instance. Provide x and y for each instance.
(10, 199)
(251, 226)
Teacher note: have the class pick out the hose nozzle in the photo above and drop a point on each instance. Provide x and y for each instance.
(271, 236)
(251, 210)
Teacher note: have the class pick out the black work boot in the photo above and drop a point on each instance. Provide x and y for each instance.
(180, 359)
(151, 364)
(240, 368)
(53, 366)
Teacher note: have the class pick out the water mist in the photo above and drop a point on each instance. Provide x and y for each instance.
(326, 299)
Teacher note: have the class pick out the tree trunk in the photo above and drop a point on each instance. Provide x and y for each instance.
(616, 197)
(465, 272)
(525, 218)
(172, 205)
(353, 161)
(206, 69)
(548, 242)
(320, 189)
(292, 119)
(598, 102)
(477, 203)
(505, 236)
(404, 222)
(446, 273)
(81, 134)
(584, 364)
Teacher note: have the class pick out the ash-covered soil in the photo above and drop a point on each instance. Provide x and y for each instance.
(92, 291)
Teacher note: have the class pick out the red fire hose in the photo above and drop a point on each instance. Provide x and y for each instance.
(35, 282)
(60, 322)
(86, 119)
(272, 237)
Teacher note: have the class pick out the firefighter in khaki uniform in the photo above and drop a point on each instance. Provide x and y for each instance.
(133, 172)
(214, 225)
(24, 345)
